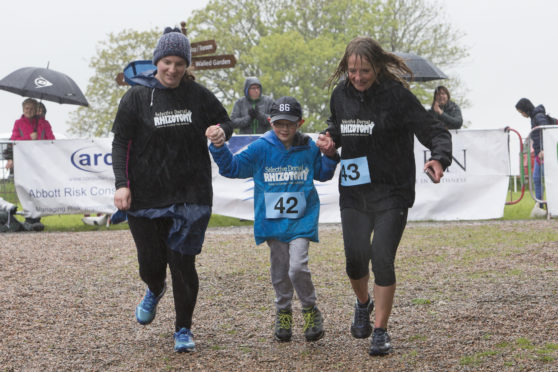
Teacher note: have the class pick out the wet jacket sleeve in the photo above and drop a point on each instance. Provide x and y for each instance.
(538, 120)
(332, 128)
(120, 147)
(217, 114)
(325, 167)
(16, 132)
(241, 165)
(47, 128)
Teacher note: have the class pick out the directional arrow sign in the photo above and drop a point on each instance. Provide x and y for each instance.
(213, 62)
(203, 47)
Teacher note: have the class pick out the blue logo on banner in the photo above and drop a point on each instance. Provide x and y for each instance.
(89, 161)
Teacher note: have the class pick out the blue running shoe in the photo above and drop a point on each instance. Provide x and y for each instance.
(184, 341)
(147, 308)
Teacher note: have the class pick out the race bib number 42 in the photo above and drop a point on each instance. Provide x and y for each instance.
(284, 204)
(354, 171)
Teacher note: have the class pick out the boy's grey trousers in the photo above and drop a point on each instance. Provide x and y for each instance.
(289, 271)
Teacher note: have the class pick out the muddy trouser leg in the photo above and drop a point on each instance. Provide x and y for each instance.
(279, 257)
(150, 237)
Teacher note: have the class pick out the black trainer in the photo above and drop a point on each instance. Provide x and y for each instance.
(283, 325)
(380, 343)
(313, 323)
(361, 327)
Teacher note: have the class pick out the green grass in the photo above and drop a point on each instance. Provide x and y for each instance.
(519, 211)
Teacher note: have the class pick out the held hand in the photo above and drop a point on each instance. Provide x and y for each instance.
(437, 168)
(216, 135)
(33, 135)
(9, 164)
(541, 155)
(326, 145)
(123, 198)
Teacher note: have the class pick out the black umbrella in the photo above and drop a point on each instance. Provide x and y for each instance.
(423, 69)
(44, 84)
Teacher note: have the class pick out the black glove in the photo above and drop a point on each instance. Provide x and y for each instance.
(253, 113)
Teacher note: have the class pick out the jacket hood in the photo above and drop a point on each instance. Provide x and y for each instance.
(299, 139)
(147, 79)
(251, 81)
(538, 110)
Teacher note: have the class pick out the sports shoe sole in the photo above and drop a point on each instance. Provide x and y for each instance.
(315, 338)
(185, 350)
(281, 339)
(376, 352)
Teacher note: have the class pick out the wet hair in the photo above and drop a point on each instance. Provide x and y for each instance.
(440, 88)
(386, 65)
(31, 101)
(524, 105)
(41, 107)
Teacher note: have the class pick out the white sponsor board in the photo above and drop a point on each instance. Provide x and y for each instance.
(550, 146)
(64, 176)
(473, 187)
(75, 176)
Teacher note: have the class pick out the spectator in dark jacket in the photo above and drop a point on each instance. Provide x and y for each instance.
(445, 110)
(538, 117)
(250, 113)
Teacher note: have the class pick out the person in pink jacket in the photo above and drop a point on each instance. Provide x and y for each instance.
(31, 126)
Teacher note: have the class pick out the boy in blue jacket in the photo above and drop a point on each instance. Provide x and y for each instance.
(284, 164)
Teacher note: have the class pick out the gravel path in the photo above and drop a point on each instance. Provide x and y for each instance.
(471, 297)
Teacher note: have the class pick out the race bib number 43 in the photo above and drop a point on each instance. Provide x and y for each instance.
(354, 171)
(284, 204)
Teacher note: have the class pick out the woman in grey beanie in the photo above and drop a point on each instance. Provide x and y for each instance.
(163, 177)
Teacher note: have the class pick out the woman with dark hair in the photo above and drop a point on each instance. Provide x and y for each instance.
(374, 118)
(162, 175)
(445, 110)
(538, 117)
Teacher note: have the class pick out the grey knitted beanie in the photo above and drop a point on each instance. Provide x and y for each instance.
(172, 43)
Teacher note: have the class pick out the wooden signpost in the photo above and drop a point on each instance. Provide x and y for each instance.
(199, 48)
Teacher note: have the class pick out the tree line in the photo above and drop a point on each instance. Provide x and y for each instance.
(292, 46)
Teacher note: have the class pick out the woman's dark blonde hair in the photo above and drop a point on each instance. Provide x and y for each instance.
(385, 64)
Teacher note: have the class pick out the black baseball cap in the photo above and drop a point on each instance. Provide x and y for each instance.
(286, 108)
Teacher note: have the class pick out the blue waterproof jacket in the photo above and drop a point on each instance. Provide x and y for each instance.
(286, 203)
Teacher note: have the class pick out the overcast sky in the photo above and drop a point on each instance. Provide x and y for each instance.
(513, 52)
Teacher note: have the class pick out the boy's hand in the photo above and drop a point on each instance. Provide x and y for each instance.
(326, 145)
(216, 135)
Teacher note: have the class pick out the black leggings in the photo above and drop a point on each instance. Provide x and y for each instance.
(150, 236)
(388, 226)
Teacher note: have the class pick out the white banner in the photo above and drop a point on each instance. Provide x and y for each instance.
(550, 146)
(64, 176)
(75, 176)
(474, 186)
